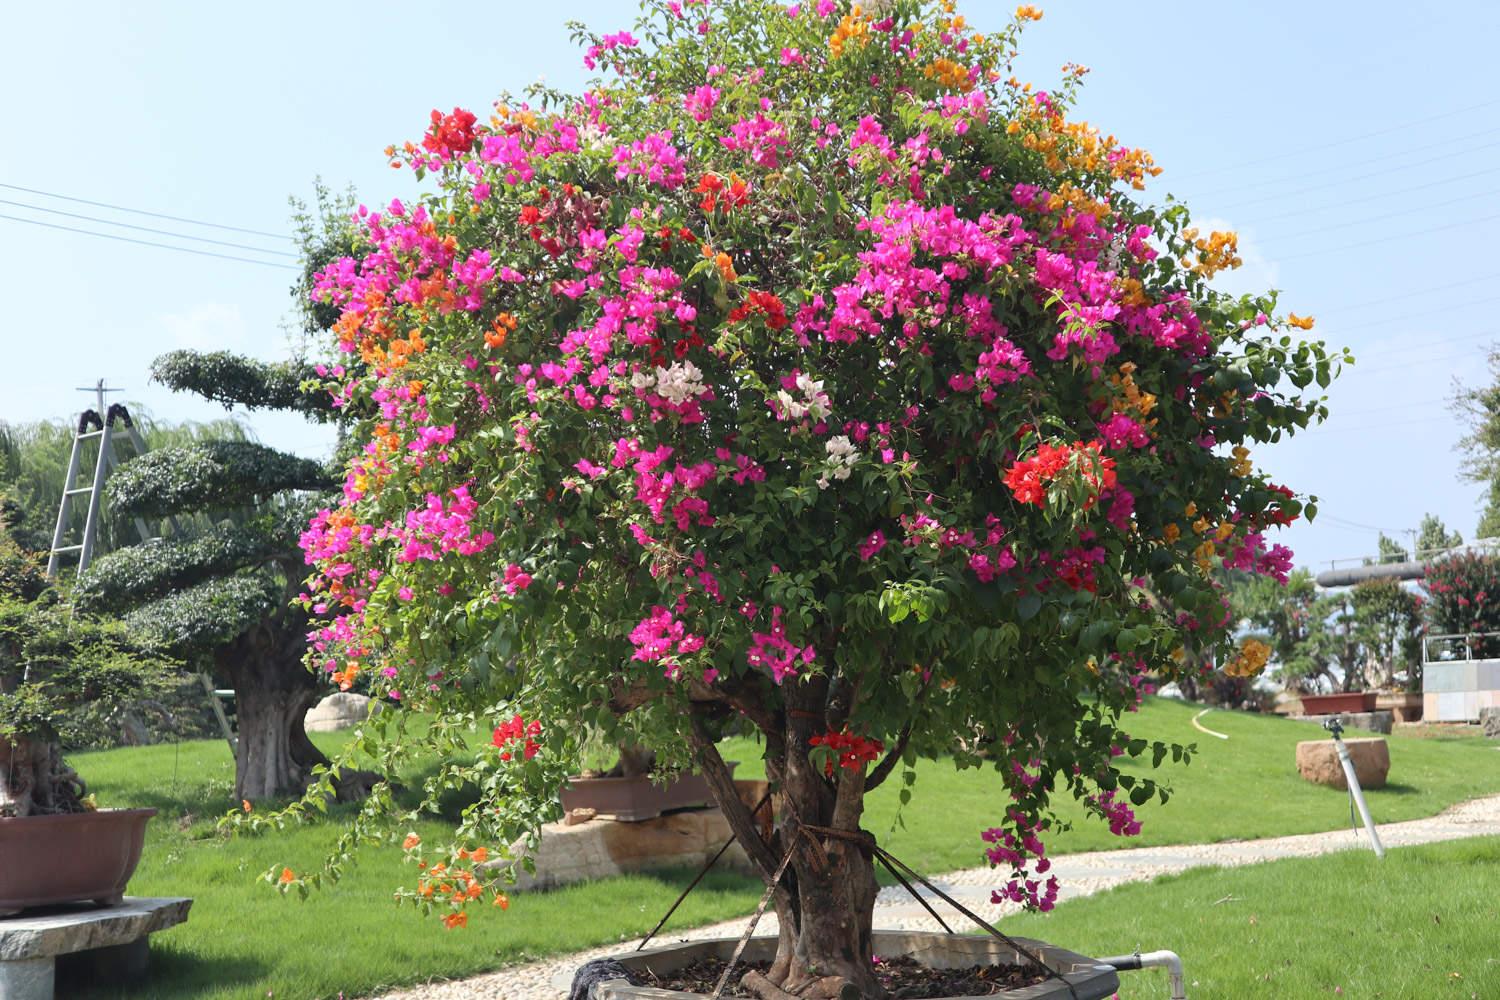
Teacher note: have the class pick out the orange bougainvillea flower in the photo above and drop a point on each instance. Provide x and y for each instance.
(502, 900)
(245, 805)
(1301, 322)
(453, 920)
(287, 875)
(480, 855)
(494, 338)
(412, 840)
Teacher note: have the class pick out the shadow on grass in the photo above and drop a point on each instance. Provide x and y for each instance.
(1396, 788)
(189, 975)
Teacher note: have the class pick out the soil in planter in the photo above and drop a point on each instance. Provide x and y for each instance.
(903, 978)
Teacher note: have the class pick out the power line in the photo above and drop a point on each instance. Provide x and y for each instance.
(1304, 150)
(1419, 361)
(148, 243)
(1394, 154)
(1357, 524)
(144, 229)
(1371, 303)
(1371, 427)
(1339, 182)
(1378, 196)
(141, 211)
(1452, 307)
(1388, 239)
(1367, 220)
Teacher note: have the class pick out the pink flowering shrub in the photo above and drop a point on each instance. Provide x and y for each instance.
(804, 372)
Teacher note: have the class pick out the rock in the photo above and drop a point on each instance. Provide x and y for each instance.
(1318, 762)
(1375, 722)
(576, 816)
(1489, 718)
(341, 710)
(579, 852)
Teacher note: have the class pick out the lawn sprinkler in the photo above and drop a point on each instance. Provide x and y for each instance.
(1336, 730)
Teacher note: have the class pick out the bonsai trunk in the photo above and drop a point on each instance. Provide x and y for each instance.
(825, 901)
(273, 690)
(34, 780)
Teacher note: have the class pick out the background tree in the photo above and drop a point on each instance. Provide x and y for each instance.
(34, 464)
(1387, 625)
(1294, 620)
(1463, 599)
(52, 660)
(1391, 551)
(1433, 536)
(841, 391)
(219, 596)
(1480, 407)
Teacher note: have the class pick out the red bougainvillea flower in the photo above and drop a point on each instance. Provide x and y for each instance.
(517, 730)
(853, 751)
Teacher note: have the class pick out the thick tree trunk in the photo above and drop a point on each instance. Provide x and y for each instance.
(825, 902)
(273, 690)
(34, 780)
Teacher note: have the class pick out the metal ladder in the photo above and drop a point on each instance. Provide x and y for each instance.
(97, 423)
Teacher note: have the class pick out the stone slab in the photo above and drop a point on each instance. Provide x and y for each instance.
(1375, 722)
(61, 930)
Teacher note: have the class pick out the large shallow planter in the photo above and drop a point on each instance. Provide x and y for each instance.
(1089, 979)
(64, 859)
(1406, 705)
(638, 798)
(1344, 701)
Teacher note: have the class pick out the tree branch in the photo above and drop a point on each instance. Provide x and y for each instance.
(888, 764)
(740, 819)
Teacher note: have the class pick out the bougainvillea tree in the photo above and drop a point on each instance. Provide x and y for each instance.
(809, 375)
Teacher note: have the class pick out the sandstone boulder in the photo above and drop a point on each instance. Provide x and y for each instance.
(341, 710)
(1489, 718)
(1318, 762)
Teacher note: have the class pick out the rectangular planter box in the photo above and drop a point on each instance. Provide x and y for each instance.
(638, 798)
(1406, 706)
(1331, 704)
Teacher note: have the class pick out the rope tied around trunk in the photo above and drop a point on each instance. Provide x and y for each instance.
(866, 842)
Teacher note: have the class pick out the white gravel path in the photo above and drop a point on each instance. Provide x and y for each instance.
(1080, 875)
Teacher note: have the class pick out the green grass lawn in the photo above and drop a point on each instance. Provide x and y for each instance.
(1242, 788)
(1418, 924)
(245, 940)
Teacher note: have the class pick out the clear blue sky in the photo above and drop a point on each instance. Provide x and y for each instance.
(1334, 137)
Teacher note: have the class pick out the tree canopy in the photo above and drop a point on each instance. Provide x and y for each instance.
(806, 371)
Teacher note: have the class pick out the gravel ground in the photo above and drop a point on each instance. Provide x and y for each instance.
(1080, 875)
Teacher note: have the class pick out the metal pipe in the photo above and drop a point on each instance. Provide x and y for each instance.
(1152, 959)
(1354, 789)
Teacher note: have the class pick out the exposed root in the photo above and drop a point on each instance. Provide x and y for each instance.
(819, 988)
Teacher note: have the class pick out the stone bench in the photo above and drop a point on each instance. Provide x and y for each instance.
(111, 940)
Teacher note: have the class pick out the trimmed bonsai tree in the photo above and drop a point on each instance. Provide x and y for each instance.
(809, 374)
(53, 659)
(220, 594)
